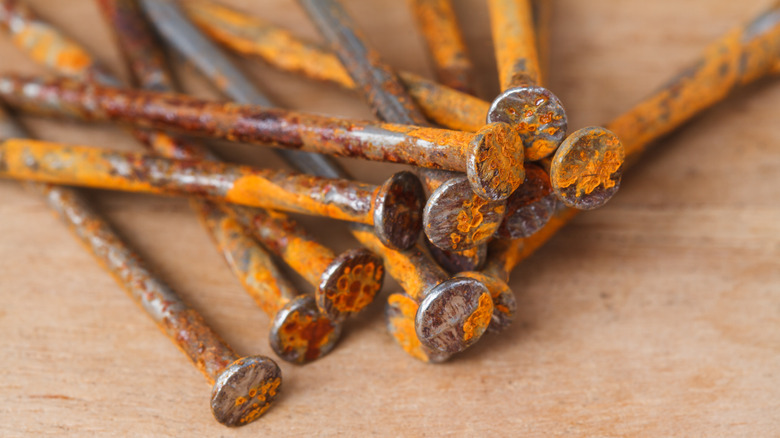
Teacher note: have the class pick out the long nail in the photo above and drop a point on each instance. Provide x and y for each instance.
(488, 156)
(243, 387)
(453, 313)
(439, 25)
(389, 207)
(300, 332)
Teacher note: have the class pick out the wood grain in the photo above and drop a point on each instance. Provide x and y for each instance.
(655, 316)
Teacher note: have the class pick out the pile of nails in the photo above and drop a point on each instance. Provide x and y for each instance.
(491, 181)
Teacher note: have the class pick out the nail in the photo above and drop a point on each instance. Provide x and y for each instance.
(391, 207)
(453, 312)
(46, 45)
(453, 262)
(243, 387)
(533, 110)
(487, 156)
(299, 332)
(439, 25)
(587, 168)
(542, 10)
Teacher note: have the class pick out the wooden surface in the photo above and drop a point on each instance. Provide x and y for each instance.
(658, 315)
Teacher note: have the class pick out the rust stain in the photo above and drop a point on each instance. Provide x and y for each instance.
(306, 334)
(514, 39)
(476, 324)
(439, 25)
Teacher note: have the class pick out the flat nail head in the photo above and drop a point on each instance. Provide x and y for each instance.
(245, 390)
(536, 114)
(398, 211)
(456, 219)
(454, 315)
(504, 302)
(530, 207)
(587, 168)
(400, 312)
(350, 283)
(495, 161)
(453, 262)
(300, 333)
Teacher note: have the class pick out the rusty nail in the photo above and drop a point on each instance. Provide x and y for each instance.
(244, 387)
(453, 313)
(299, 332)
(439, 25)
(389, 207)
(533, 110)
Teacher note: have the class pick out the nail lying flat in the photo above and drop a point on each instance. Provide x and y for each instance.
(389, 205)
(489, 157)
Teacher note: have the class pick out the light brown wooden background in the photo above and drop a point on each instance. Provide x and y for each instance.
(658, 315)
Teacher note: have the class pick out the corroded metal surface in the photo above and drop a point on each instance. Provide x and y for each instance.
(376, 80)
(182, 324)
(439, 25)
(300, 333)
(453, 314)
(253, 36)
(533, 110)
(530, 207)
(587, 168)
(490, 157)
(275, 189)
(174, 26)
(514, 38)
(47, 45)
(342, 288)
(453, 262)
(451, 225)
(543, 11)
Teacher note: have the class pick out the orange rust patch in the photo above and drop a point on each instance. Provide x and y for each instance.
(402, 326)
(45, 44)
(305, 334)
(590, 168)
(254, 36)
(515, 41)
(478, 321)
(268, 389)
(356, 287)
